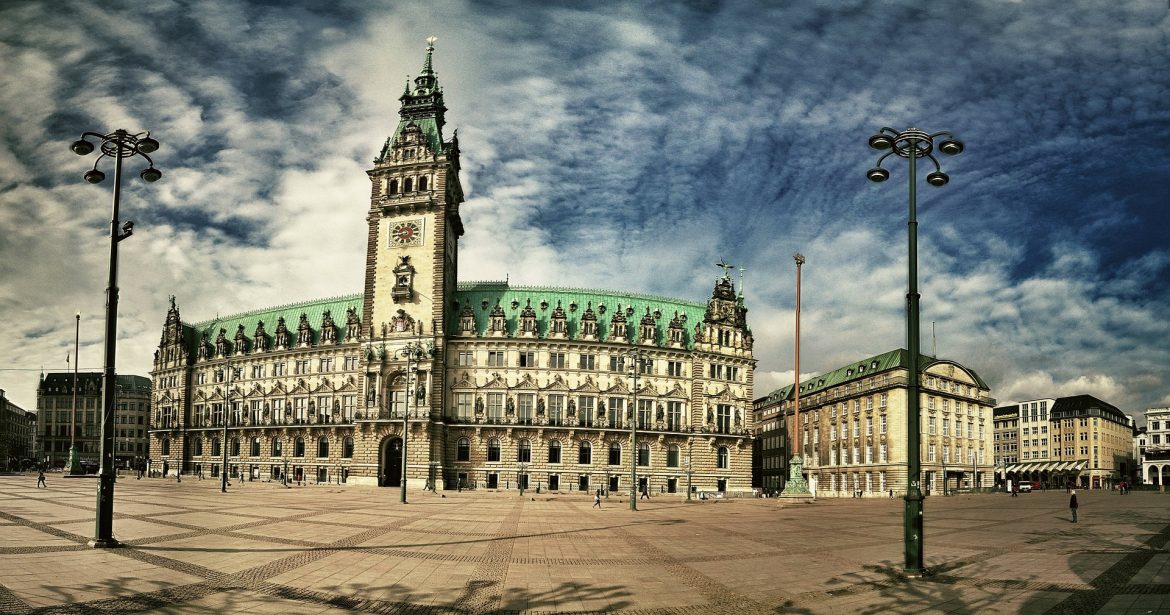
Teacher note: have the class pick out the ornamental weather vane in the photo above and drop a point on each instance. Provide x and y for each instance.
(722, 264)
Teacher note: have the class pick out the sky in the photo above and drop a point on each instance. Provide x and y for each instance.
(626, 146)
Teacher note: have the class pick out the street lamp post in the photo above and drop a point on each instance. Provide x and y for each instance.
(117, 145)
(638, 359)
(223, 476)
(414, 353)
(796, 486)
(912, 144)
(74, 454)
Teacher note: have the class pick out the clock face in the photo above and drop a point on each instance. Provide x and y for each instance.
(406, 233)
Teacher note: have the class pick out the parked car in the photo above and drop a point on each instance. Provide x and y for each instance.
(1025, 486)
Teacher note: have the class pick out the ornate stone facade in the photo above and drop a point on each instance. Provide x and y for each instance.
(495, 384)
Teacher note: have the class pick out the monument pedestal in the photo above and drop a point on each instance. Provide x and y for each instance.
(796, 488)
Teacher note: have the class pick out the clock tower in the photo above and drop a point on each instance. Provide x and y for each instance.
(414, 224)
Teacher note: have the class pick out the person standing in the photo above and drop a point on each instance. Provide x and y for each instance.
(1072, 505)
(41, 479)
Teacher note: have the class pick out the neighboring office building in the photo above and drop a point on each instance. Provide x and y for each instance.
(1089, 442)
(1155, 455)
(526, 384)
(770, 447)
(853, 426)
(56, 415)
(17, 433)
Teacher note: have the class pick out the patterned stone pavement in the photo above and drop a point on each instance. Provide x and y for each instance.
(329, 549)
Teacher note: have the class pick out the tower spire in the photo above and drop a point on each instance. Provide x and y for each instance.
(427, 70)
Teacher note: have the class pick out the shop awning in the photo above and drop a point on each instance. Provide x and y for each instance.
(1044, 466)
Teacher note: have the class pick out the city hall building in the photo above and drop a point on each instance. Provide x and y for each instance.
(485, 384)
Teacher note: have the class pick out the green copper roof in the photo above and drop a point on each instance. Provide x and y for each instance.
(90, 383)
(483, 296)
(314, 310)
(856, 370)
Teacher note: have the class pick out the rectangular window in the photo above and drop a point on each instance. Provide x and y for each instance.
(257, 371)
(348, 407)
(463, 405)
(616, 413)
(497, 358)
(645, 411)
(869, 425)
(930, 453)
(674, 415)
(326, 364)
(351, 363)
(556, 360)
(556, 409)
(723, 418)
(495, 406)
(646, 367)
(617, 364)
(883, 453)
(301, 366)
(466, 358)
(674, 368)
(278, 368)
(587, 361)
(586, 410)
(527, 358)
(524, 407)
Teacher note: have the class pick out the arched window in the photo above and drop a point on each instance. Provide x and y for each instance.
(524, 451)
(554, 451)
(198, 447)
(672, 456)
(166, 446)
(323, 446)
(347, 447)
(255, 447)
(277, 447)
(214, 447)
(585, 453)
(463, 450)
(393, 188)
(235, 447)
(721, 458)
(299, 447)
(493, 449)
(643, 454)
(615, 454)
(422, 183)
(406, 185)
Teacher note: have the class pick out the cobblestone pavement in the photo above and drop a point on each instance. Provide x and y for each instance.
(329, 549)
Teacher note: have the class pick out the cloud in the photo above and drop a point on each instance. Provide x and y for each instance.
(628, 149)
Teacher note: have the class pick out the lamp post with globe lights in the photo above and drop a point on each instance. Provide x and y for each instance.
(118, 145)
(913, 144)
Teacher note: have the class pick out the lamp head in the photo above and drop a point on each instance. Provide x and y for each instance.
(81, 147)
(881, 142)
(951, 147)
(94, 176)
(938, 179)
(147, 145)
(877, 175)
(151, 175)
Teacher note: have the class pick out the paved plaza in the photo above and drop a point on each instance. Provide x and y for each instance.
(262, 548)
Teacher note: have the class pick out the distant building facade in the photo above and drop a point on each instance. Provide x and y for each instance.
(1081, 440)
(506, 386)
(17, 433)
(1155, 457)
(60, 423)
(852, 431)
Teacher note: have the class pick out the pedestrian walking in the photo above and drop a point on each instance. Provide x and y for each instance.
(597, 499)
(1072, 506)
(41, 479)
(1015, 490)
(645, 494)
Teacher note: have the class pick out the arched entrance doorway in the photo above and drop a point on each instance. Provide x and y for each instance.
(391, 463)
